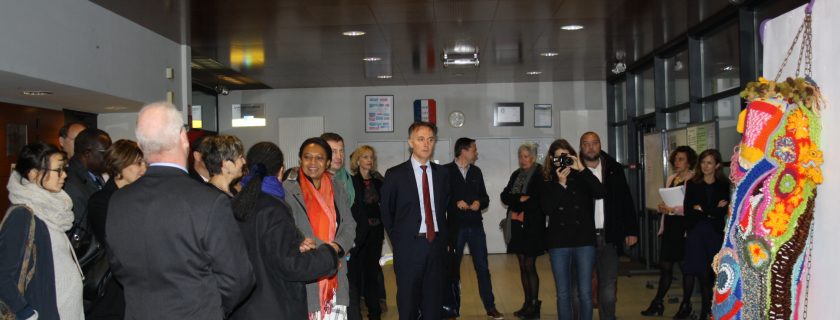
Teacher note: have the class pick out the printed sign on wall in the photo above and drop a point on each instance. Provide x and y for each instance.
(425, 110)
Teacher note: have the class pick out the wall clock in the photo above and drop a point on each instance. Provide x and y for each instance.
(456, 119)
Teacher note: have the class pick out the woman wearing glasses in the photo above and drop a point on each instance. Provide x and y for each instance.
(40, 277)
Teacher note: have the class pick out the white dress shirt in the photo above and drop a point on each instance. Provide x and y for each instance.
(418, 176)
(599, 203)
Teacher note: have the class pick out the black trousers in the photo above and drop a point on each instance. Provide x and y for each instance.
(419, 268)
(363, 272)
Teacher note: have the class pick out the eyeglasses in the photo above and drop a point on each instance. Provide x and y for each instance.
(59, 170)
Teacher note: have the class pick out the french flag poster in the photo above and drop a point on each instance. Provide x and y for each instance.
(424, 110)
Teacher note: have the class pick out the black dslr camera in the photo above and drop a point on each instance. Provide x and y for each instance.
(562, 161)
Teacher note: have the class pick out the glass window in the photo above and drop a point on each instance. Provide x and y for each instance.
(204, 110)
(621, 144)
(620, 93)
(645, 102)
(678, 119)
(676, 79)
(720, 60)
(726, 111)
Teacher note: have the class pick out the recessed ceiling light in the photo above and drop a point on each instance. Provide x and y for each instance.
(353, 33)
(459, 74)
(372, 59)
(114, 108)
(549, 54)
(533, 73)
(385, 76)
(37, 92)
(572, 27)
(728, 68)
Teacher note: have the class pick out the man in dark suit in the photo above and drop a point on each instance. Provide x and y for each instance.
(173, 241)
(467, 199)
(414, 198)
(84, 172)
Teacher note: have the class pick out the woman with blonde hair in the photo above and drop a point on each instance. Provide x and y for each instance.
(363, 267)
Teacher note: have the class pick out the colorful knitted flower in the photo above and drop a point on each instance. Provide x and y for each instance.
(785, 149)
(811, 158)
(798, 124)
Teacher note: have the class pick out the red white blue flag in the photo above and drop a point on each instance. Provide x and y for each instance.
(424, 110)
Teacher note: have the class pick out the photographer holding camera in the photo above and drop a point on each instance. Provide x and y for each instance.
(569, 203)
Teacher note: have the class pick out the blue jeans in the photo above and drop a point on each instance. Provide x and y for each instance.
(477, 240)
(583, 260)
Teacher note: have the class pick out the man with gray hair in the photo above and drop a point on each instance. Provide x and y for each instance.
(173, 242)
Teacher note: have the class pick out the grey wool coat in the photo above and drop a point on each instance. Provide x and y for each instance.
(345, 233)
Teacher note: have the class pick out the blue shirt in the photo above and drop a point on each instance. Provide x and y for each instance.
(418, 177)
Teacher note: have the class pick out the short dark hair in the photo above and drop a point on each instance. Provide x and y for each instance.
(35, 156)
(88, 140)
(218, 150)
(690, 155)
(317, 141)
(332, 136)
(462, 144)
(62, 132)
(120, 155)
(419, 124)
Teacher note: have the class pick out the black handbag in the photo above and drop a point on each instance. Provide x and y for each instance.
(97, 271)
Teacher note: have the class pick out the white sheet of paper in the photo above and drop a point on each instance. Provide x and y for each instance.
(672, 196)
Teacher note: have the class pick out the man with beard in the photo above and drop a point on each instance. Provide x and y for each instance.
(615, 219)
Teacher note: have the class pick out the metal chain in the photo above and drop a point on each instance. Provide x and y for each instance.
(805, 25)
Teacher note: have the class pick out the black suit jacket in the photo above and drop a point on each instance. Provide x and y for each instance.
(401, 204)
(619, 208)
(176, 248)
(467, 189)
(79, 186)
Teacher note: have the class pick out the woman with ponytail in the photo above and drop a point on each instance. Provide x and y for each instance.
(283, 260)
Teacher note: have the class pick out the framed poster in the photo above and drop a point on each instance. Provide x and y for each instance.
(379, 113)
(542, 116)
(16, 138)
(508, 114)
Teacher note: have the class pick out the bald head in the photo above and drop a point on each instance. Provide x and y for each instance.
(160, 133)
(67, 136)
(590, 146)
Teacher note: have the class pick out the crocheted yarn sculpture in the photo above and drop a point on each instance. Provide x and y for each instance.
(762, 266)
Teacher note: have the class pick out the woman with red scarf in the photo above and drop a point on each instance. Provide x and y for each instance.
(321, 210)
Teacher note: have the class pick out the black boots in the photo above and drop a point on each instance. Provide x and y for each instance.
(532, 310)
(656, 308)
(524, 307)
(685, 311)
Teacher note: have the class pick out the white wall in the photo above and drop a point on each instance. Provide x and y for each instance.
(80, 44)
(118, 125)
(823, 300)
(577, 107)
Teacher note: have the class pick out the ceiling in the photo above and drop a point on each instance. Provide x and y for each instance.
(294, 44)
(254, 44)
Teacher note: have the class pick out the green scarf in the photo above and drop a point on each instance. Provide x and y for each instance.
(343, 177)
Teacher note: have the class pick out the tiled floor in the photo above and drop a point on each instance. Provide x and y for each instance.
(633, 295)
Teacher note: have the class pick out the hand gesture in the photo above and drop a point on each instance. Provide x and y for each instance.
(664, 209)
(475, 206)
(562, 174)
(307, 244)
(462, 205)
(577, 165)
